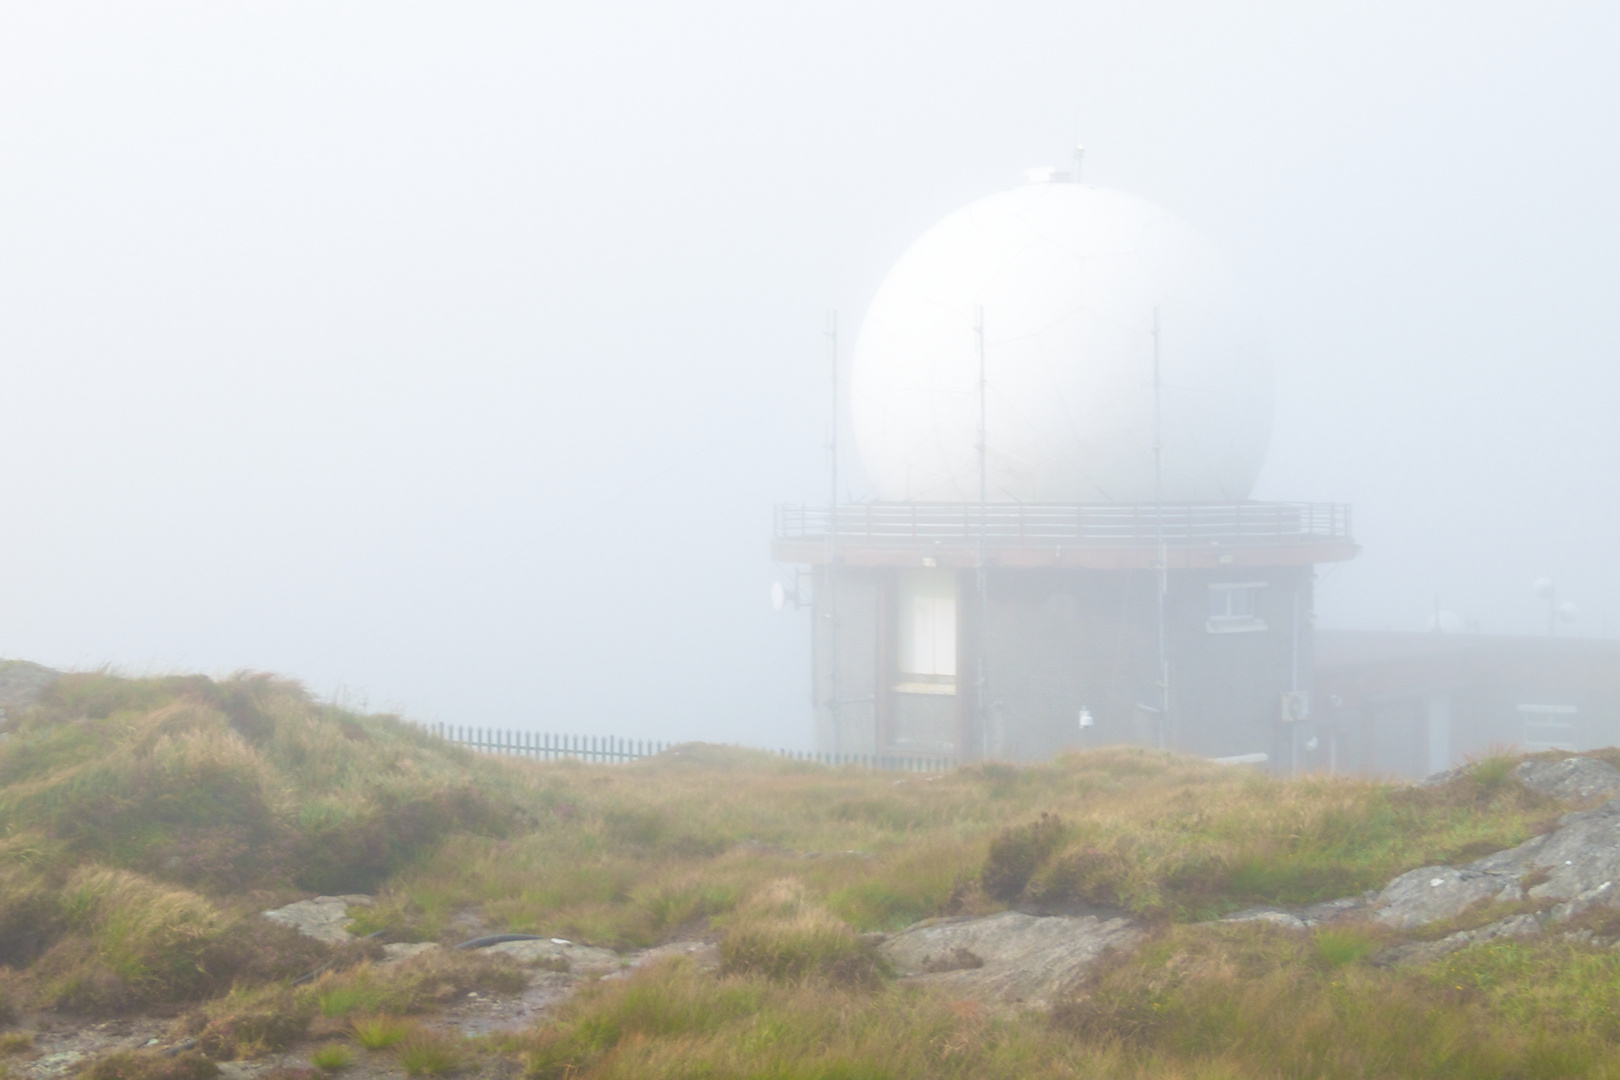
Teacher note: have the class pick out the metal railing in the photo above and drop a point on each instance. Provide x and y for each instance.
(1009, 525)
(884, 762)
(548, 746)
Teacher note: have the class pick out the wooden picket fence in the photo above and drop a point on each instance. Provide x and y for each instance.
(549, 746)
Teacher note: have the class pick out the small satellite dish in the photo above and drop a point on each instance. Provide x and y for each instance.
(1085, 718)
(778, 595)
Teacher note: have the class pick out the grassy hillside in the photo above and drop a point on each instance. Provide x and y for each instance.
(145, 822)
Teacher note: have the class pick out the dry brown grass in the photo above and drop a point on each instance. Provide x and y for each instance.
(149, 820)
(143, 1065)
(1217, 1001)
(780, 934)
(417, 984)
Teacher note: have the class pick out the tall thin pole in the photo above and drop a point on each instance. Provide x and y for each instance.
(984, 485)
(979, 577)
(832, 437)
(832, 538)
(1158, 530)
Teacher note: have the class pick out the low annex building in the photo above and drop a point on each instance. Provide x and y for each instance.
(1416, 704)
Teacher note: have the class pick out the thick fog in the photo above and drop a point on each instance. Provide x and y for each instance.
(451, 357)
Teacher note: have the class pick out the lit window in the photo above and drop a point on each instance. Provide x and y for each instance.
(927, 618)
(1234, 607)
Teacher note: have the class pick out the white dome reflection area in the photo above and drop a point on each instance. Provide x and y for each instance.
(1067, 278)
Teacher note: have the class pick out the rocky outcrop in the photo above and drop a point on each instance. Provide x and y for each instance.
(1573, 867)
(21, 683)
(324, 918)
(1574, 779)
(1568, 870)
(1007, 957)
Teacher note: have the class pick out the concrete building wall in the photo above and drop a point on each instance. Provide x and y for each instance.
(1056, 641)
(1060, 641)
(846, 607)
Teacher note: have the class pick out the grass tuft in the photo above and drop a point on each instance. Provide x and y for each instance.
(425, 1054)
(780, 934)
(379, 1032)
(1339, 946)
(415, 984)
(250, 1022)
(332, 1057)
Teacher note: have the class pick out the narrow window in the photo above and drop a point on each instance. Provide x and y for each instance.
(1234, 607)
(927, 618)
(1548, 727)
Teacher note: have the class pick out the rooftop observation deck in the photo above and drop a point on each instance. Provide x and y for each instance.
(1095, 537)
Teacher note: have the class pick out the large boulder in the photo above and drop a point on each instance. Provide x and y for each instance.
(1007, 957)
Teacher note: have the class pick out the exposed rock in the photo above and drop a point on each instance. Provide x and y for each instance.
(57, 1064)
(1431, 893)
(21, 684)
(1019, 958)
(1579, 862)
(323, 918)
(1440, 779)
(1275, 916)
(705, 955)
(1573, 779)
(1302, 918)
(581, 959)
(400, 950)
(1517, 926)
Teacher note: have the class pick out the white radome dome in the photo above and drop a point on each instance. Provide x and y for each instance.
(1067, 277)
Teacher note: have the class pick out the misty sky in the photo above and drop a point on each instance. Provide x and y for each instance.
(450, 357)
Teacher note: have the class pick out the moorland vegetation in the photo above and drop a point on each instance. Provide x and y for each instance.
(145, 824)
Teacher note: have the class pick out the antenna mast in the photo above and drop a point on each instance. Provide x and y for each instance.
(832, 541)
(984, 498)
(1158, 532)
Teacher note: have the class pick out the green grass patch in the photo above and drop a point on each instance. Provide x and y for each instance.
(332, 1057)
(781, 935)
(379, 1032)
(424, 1054)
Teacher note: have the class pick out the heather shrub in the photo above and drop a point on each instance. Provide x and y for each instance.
(1017, 853)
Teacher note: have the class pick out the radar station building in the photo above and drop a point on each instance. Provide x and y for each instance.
(1061, 410)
